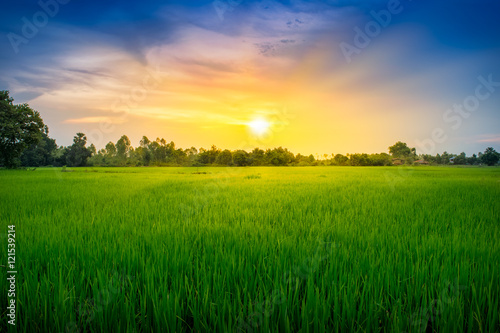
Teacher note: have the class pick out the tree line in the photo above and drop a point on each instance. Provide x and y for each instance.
(162, 153)
(24, 141)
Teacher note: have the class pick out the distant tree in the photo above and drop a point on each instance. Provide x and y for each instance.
(145, 155)
(381, 159)
(438, 159)
(110, 151)
(490, 156)
(157, 152)
(340, 159)
(241, 158)
(460, 159)
(359, 160)
(59, 156)
(78, 153)
(402, 151)
(279, 156)
(123, 147)
(472, 160)
(92, 149)
(41, 153)
(163, 152)
(272, 157)
(144, 142)
(225, 158)
(302, 160)
(144, 152)
(172, 152)
(191, 154)
(257, 157)
(212, 154)
(202, 157)
(191, 151)
(20, 127)
(98, 158)
(428, 158)
(446, 157)
(180, 157)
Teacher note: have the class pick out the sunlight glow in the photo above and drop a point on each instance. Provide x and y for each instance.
(259, 126)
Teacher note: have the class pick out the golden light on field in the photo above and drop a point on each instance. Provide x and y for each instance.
(259, 126)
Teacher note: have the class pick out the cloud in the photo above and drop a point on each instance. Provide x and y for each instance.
(211, 65)
(95, 120)
(260, 56)
(492, 138)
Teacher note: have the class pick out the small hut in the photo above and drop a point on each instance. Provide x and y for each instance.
(397, 161)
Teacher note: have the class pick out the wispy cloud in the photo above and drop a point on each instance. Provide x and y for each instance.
(95, 120)
(263, 55)
(491, 138)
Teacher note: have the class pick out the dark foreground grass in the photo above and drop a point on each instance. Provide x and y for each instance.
(317, 249)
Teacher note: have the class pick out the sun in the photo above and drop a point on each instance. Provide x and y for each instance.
(259, 126)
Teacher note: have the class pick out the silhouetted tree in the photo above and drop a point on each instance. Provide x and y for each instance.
(359, 159)
(257, 157)
(460, 159)
(144, 152)
(279, 156)
(92, 149)
(123, 147)
(78, 153)
(472, 160)
(340, 159)
(241, 158)
(490, 156)
(60, 155)
(382, 159)
(445, 157)
(212, 154)
(41, 153)
(191, 154)
(402, 151)
(20, 127)
(110, 150)
(225, 158)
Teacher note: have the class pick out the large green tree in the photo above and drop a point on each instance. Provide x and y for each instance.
(40, 154)
(225, 158)
(490, 156)
(123, 148)
(110, 150)
(402, 151)
(340, 159)
(78, 153)
(20, 127)
(460, 159)
(144, 152)
(257, 156)
(240, 158)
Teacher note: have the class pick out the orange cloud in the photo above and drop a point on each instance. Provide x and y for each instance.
(95, 120)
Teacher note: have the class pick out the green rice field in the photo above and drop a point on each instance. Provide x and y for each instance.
(260, 249)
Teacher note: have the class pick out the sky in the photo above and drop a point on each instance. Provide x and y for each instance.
(321, 77)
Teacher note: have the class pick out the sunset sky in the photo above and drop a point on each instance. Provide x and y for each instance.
(199, 72)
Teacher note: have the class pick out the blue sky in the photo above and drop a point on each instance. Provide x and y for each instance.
(213, 67)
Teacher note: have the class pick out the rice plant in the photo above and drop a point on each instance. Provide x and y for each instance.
(261, 249)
